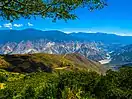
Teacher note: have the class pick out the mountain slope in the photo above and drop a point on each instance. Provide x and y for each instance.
(91, 50)
(122, 56)
(47, 63)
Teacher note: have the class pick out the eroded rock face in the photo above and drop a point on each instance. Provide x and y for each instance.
(122, 55)
(91, 50)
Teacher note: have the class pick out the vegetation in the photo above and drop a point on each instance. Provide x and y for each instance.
(27, 77)
(48, 63)
(68, 85)
(54, 9)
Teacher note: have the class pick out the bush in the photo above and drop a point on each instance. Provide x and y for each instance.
(2, 78)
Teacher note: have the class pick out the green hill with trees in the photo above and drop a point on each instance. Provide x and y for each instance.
(67, 85)
(71, 76)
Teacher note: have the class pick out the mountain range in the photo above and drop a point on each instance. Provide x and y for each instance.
(91, 50)
(95, 46)
(33, 34)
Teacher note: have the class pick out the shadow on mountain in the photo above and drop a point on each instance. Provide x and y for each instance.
(23, 63)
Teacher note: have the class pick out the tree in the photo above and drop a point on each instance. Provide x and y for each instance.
(74, 82)
(54, 9)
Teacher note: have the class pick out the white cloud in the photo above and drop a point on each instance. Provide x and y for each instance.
(18, 25)
(8, 25)
(0, 26)
(30, 24)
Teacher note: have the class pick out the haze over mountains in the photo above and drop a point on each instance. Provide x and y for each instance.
(33, 34)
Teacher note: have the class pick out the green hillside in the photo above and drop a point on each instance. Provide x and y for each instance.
(66, 85)
(28, 63)
(70, 76)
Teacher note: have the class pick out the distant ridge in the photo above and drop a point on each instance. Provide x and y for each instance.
(54, 35)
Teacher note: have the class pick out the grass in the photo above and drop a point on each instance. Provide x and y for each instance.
(28, 63)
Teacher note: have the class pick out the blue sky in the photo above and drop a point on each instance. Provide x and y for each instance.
(115, 18)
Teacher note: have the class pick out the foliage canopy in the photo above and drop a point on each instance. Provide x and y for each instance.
(69, 85)
(54, 9)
